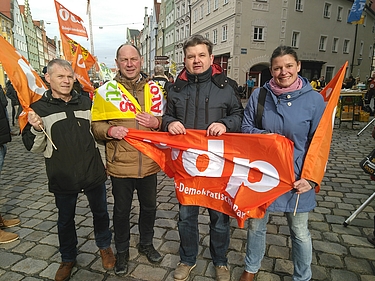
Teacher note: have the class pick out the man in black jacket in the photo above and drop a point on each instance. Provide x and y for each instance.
(60, 127)
(202, 98)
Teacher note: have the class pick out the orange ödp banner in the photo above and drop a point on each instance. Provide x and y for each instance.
(237, 174)
(27, 83)
(69, 23)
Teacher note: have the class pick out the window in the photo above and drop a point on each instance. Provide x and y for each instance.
(207, 35)
(345, 48)
(177, 35)
(299, 5)
(327, 10)
(329, 73)
(195, 15)
(224, 33)
(178, 11)
(202, 11)
(187, 31)
(183, 9)
(226, 2)
(216, 4)
(208, 7)
(214, 36)
(258, 34)
(371, 52)
(295, 39)
(322, 43)
(339, 13)
(335, 45)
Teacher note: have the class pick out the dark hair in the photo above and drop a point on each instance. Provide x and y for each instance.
(282, 51)
(195, 40)
(127, 44)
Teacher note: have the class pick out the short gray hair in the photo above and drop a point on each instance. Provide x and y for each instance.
(159, 70)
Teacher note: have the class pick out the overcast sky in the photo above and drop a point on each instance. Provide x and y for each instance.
(110, 19)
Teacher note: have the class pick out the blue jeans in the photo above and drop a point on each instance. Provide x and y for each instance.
(189, 235)
(122, 190)
(66, 228)
(301, 244)
(3, 152)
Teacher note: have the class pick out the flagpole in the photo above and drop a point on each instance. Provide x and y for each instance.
(355, 43)
(90, 27)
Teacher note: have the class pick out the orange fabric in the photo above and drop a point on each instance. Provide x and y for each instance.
(69, 23)
(80, 70)
(317, 156)
(70, 48)
(25, 80)
(237, 174)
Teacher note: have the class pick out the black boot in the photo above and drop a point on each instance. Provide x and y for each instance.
(121, 266)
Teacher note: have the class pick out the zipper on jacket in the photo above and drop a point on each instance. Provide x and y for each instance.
(186, 106)
(196, 101)
(206, 110)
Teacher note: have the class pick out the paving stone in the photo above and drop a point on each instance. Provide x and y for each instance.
(30, 266)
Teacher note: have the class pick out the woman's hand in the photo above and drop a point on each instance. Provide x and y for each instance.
(302, 186)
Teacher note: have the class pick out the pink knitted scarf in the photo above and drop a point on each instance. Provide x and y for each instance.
(277, 90)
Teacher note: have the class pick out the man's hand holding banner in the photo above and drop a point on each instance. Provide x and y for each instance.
(237, 174)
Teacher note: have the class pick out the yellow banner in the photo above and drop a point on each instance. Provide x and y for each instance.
(113, 101)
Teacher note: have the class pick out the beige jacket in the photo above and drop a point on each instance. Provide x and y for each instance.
(123, 160)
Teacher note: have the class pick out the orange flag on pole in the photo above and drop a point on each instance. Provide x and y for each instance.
(70, 48)
(25, 80)
(69, 23)
(80, 70)
(220, 172)
(317, 156)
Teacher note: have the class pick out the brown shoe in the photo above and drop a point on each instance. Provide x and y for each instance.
(108, 258)
(247, 276)
(64, 271)
(8, 223)
(7, 237)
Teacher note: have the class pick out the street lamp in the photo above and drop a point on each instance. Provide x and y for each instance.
(359, 60)
(189, 4)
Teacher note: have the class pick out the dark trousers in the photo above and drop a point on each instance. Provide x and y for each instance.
(16, 113)
(66, 228)
(123, 190)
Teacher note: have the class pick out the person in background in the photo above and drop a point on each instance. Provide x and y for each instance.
(4, 101)
(16, 106)
(322, 82)
(315, 84)
(292, 109)
(129, 169)
(202, 98)
(370, 91)
(250, 85)
(73, 162)
(5, 137)
(160, 77)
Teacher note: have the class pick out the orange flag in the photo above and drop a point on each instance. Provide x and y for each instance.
(69, 23)
(25, 80)
(221, 172)
(317, 156)
(70, 48)
(80, 70)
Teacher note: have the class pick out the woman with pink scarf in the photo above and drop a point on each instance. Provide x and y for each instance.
(292, 109)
